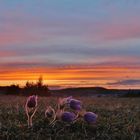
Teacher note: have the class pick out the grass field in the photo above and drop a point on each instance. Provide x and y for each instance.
(118, 119)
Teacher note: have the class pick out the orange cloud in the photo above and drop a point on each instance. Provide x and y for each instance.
(74, 76)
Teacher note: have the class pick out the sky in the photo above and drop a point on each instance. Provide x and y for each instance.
(70, 43)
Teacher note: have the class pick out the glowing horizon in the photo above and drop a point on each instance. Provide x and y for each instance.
(60, 77)
(70, 43)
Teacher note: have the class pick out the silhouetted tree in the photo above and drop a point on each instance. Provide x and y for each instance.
(37, 88)
(40, 82)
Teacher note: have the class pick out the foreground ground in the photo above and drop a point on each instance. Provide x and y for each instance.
(119, 119)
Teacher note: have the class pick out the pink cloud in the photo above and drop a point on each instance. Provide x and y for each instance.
(7, 53)
(13, 34)
(118, 30)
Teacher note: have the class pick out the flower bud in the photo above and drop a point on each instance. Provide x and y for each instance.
(90, 117)
(32, 101)
(75, 104)
(68, 117)
(49, 112)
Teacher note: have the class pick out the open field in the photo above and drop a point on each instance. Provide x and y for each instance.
(119, 119)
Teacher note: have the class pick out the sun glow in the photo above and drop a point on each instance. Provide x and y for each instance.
(72, 77)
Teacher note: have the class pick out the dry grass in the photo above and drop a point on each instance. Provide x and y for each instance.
(119, 118)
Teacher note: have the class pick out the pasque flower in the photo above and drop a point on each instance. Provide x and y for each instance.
(50, 112)
(31, 108)
(32, 101)
(75, 104)
(90, 117)
(68, 117)
(60, 114)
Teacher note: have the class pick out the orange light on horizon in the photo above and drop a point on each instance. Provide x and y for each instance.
(68, 77)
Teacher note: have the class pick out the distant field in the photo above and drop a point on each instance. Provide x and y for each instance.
(119, 119)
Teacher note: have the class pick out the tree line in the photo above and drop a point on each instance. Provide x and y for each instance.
(30, 88)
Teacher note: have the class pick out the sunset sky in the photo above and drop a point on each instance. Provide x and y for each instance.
(71, 43)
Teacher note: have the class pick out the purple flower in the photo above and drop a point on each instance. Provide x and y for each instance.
(31, 108)
(49, 113)
(68, 117)
(32, 101)
(75, 104)
(90, 117)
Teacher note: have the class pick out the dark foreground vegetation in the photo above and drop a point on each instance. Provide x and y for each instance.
(118, 119)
